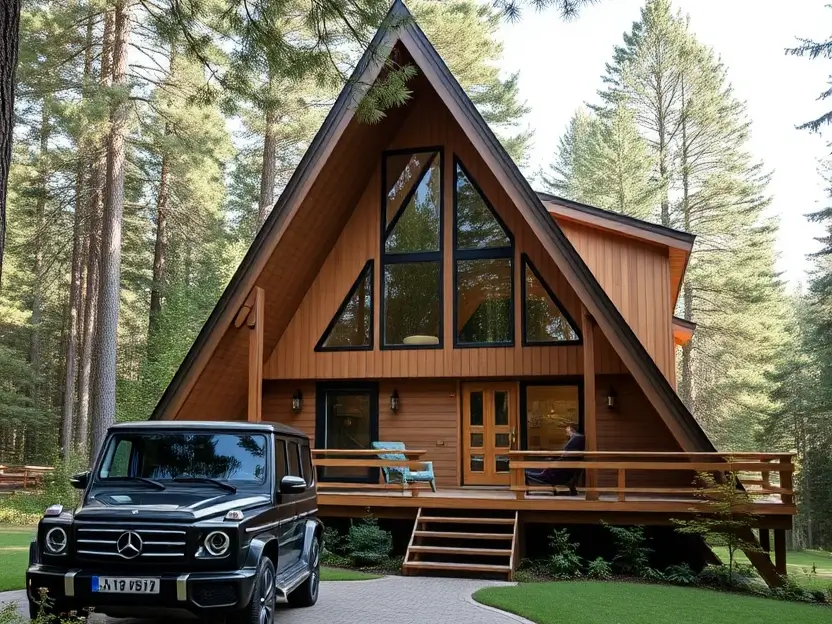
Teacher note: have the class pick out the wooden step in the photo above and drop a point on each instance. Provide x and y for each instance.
(452, 520)
(453, 534)
(470, 567)
(456, 550)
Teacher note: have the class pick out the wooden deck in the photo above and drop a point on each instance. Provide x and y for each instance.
(772, 506)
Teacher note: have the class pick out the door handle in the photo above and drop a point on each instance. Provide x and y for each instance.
(513, 437)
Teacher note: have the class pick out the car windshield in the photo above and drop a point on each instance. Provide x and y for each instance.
(229, 457)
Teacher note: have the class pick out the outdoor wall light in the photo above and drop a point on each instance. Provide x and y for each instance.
(611, 399)
(394, 401)
(297, 401)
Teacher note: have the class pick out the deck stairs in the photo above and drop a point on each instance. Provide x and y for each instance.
(463, 542)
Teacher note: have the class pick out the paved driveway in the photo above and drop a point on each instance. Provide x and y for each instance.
(399, 599)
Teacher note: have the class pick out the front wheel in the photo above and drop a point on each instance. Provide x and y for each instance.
(306, 594)
(261, 608)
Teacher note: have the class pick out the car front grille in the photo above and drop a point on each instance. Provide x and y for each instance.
(110, 543)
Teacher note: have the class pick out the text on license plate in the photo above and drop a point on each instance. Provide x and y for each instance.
(120, 585)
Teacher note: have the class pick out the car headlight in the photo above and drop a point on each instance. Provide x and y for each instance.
(56, 541)
(217, 543)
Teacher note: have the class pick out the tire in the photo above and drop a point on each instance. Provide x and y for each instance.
(306, 594)
(260, 610)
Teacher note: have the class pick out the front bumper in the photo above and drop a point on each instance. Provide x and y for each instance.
(195, 593)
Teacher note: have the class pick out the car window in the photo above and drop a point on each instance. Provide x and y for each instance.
(294, 460)
(120, 464)
(306, 464)
(280, 458)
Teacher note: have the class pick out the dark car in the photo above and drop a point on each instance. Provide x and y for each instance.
(207, 519)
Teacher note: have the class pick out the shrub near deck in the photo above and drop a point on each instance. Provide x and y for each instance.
(585, 602)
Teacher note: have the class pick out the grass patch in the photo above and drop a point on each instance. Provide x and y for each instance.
(340, 574)
(13, 569)
(587, 602)
(799, 565)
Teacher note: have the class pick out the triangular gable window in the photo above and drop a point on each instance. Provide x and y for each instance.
(545, 320)
(477, 227)
(352, 326)
(412, 208)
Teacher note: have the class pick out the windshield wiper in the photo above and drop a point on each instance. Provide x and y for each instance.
(226, 486)
(145, 480)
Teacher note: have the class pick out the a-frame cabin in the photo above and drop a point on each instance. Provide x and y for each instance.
(410, 287)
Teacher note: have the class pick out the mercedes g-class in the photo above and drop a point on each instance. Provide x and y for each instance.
(208, 519)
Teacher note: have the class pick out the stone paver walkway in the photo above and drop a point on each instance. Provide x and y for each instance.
(392, 599)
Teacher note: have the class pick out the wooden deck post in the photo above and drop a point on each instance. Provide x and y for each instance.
(765, 540)
(256, 322)
(780, 551)
(590, 431)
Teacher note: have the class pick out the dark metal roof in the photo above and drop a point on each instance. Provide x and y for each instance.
(684, 323)
(399, 21)
(647, 226)
(209, 425)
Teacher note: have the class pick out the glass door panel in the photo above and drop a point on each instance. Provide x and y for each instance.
(489, 420)
(347, 419)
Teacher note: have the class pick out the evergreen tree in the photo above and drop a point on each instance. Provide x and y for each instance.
(570, 172)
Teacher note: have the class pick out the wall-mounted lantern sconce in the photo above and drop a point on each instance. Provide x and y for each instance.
(611, 397)
(394, 401)
(297, 401)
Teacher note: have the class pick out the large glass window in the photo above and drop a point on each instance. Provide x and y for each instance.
(545, 321)
(549, 409)
(483, 266)
(352, 326)
(412, 249)
(347, 419)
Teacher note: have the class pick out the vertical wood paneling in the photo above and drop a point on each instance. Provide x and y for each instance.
(636, 276)
(294, 356)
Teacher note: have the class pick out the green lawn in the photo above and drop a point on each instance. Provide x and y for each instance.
(799, 564)
(340, 574)
(588, 602)
(14, 554)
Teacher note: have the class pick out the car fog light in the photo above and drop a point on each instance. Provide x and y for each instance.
(217, 543)
(56, 540)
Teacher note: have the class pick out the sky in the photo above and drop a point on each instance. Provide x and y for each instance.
(561, 64)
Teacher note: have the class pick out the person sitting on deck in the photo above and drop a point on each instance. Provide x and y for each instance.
(561, 476)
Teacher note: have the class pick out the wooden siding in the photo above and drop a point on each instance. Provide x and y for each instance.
(295, 358)
(636, 276)
(429, 418)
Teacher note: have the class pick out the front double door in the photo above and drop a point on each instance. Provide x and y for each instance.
(489, 431)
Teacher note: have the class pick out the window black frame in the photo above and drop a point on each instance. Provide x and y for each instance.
(345, 387)
(551, 381)
(526, 261)
(415, 256)
(493, 253)
(319, 346)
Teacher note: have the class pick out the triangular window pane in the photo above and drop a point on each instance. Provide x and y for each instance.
(412, 203)
(352, 326)
(476, 225)
(545, 321)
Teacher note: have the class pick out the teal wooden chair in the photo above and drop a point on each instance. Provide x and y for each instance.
(403, 475)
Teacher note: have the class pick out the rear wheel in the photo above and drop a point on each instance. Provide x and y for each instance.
(261, 608)
(307, 593)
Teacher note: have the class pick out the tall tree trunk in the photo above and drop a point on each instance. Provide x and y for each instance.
(9, 37)
(269, 169)
(87, 381)
(75, 284)
(104, 397)
(159, 250)
(686, 376)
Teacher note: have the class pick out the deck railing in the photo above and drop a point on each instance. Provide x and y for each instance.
(366, 459)
(753, 469)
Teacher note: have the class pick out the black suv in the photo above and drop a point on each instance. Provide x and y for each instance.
(212, 519)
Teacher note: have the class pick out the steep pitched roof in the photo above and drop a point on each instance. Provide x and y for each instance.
(399, 26)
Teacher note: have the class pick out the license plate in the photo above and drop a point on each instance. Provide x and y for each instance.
(120, 585)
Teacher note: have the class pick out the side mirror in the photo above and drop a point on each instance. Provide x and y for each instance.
(79, 481)
(292, 485)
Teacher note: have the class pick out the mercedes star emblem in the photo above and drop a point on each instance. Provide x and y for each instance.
(129, 545)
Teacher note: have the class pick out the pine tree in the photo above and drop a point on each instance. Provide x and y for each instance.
(569, 174)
